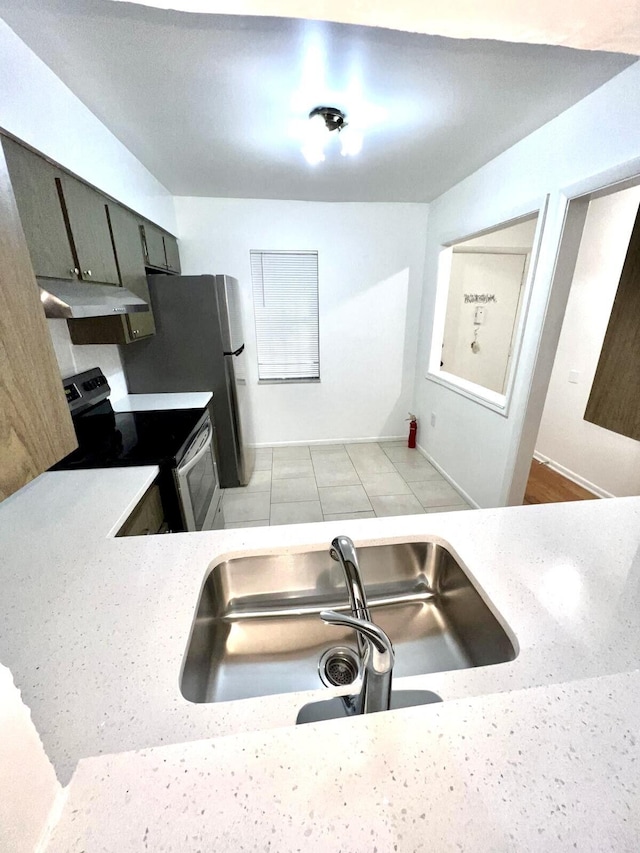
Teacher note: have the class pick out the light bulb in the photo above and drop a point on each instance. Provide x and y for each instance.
(351, 141)
(313, 154)
(317, 131)
(315, 139)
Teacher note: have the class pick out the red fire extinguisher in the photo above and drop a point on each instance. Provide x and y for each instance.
(413, 430)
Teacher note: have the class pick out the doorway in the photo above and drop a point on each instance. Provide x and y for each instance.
(574, 458)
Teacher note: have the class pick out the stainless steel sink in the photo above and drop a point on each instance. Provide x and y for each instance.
(257, 630)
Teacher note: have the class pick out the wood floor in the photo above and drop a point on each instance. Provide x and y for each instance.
(546, 486)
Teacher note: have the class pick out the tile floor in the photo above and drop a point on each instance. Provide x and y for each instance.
(330, 482)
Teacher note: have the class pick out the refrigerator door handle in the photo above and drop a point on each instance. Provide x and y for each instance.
(239, 351)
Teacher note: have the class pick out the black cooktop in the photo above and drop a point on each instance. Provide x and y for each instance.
(109, 439)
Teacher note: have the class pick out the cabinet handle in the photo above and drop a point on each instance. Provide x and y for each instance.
(145, 247)
(87, 273)
(134, 332)
(74, 271)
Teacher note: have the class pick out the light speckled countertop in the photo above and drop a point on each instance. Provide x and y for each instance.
(95, 628)
(552, 768)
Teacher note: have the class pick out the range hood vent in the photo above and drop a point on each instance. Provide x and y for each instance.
(64, 299)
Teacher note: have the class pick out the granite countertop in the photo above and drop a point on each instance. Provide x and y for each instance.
(95, 628)
(552, 768)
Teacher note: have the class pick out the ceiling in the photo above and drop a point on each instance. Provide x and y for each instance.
(215, 105)
(572, 23)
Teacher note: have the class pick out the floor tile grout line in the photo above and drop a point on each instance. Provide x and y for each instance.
(425, 508)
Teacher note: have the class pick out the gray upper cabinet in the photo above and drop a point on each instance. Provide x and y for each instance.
(128, 246)
(34, 185)
(130, 260)
(89, 226)
(153, 246)
(74, 231)
(171, 253)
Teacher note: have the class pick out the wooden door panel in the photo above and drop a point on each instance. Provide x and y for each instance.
(172, 253)
(614, 401)
(130, 258)
(87, 215)
(35, 425)
(155, 255)
(36, 193)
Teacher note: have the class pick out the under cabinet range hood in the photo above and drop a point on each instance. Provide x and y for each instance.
(65, 300)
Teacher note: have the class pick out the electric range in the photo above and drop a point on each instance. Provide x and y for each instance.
(180, 441)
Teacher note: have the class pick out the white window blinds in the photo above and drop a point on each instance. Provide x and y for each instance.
(285, 303)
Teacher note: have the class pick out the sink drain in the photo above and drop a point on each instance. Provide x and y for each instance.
(339, 666)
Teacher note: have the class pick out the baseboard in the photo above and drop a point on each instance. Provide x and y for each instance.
(319, 442)
(571, 475)
(449, 479)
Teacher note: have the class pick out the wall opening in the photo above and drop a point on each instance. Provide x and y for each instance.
(574, 458)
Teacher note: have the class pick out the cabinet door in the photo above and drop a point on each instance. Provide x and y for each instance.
(36, 193)
(35, 424)
(172, 253)
(153, 246)
(130, 259)
(147, 518)
(89, 226)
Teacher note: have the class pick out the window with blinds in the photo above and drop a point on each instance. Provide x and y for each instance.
(285, 304)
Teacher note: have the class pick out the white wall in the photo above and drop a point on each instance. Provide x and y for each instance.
(478, 336)
(27, 779)
(37, 107)
(502, 276)
(75, 359)
(579, 25)
(517, 236)
(370, 276)
(600, 459)
(476, 446)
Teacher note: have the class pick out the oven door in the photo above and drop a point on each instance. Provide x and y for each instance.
(197, 482)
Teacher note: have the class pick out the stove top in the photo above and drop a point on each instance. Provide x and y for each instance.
(109, 439)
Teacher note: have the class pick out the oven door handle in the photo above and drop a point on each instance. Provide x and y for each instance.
(184, 469)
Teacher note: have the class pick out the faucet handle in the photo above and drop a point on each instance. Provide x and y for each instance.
(381, 648)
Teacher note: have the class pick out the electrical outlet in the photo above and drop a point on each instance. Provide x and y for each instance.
(433, 419)
(574, 376)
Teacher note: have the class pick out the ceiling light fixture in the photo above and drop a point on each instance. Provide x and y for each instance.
(333, 118)
(322, 122)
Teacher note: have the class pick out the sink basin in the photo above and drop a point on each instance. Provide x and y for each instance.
(257, 630)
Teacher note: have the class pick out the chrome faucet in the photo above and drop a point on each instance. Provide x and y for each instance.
(343, 551)
(376, 651)
(375, 694)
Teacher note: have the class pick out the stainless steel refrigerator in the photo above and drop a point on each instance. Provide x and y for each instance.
(199, 346)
